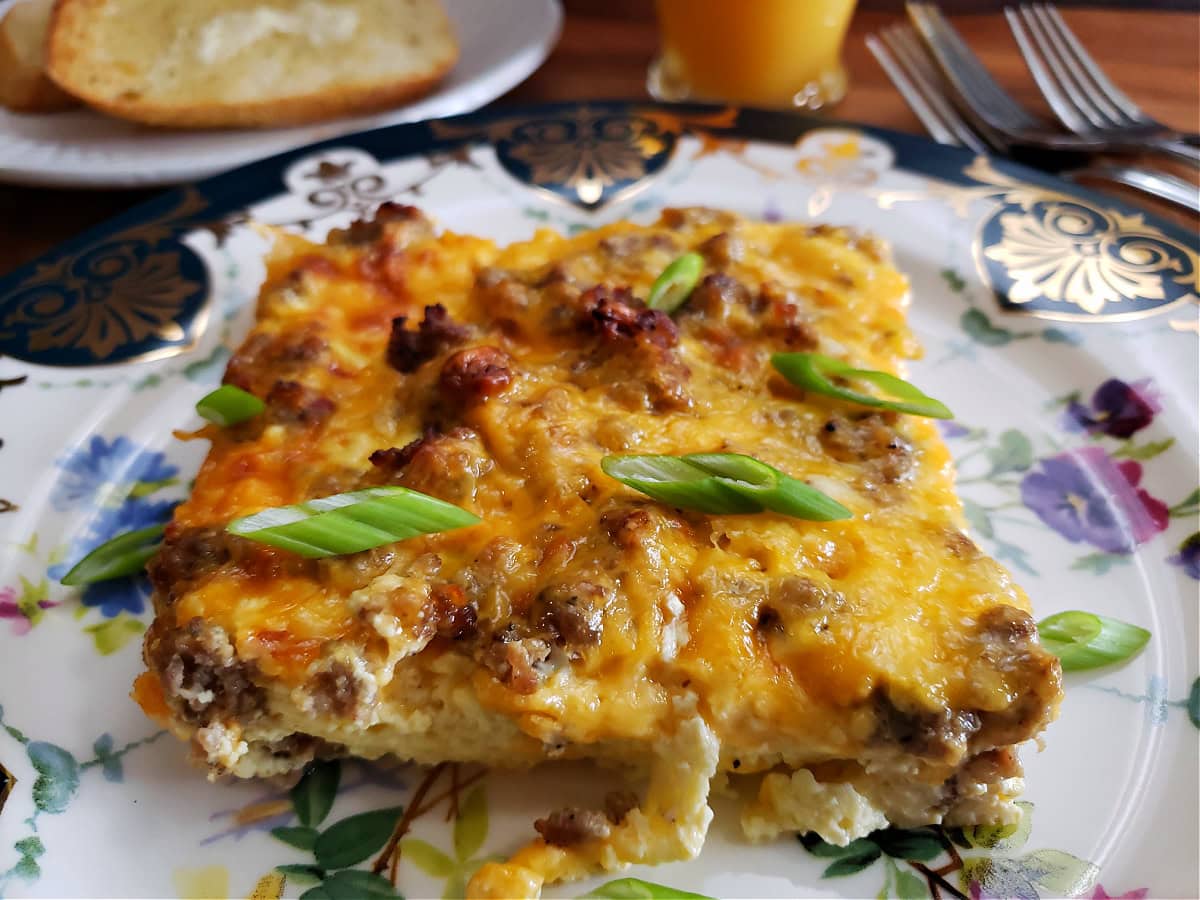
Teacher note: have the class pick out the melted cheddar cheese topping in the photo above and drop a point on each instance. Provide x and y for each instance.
(578, 610)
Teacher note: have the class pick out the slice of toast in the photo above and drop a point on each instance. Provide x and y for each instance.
(24, 86)
(214, 63)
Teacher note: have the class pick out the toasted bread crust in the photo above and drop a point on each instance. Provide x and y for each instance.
(25, 87)
(268, 114)
(69, 63)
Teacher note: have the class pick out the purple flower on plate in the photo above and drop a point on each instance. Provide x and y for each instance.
(1101, 894)
(1086, 495)
(1117, 409)
(951, 429)
(10, 610)
(1188, 557)
(22, 618)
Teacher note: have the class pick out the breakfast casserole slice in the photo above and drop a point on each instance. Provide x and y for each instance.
(842, 674)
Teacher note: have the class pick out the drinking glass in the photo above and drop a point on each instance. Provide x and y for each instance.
(773, 53)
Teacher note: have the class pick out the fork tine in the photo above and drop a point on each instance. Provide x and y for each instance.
(1066, 112)
(1056, 53)
(938, 128)
(907, 48)
(1117, 99)
(1049, 72)
(962, 68)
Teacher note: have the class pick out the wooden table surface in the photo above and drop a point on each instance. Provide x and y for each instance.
(1152, 56)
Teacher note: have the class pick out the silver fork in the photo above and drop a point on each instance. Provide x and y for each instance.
(907, 64)
(984, 102)
(1081, 95)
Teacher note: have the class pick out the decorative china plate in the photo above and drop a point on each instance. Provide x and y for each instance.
(1060, 325)
(501, 42)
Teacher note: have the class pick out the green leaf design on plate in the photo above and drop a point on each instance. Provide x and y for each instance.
(1099, 563)
(456, 886)
(1013, 453)
(978, 518)
(1014, 554)
(817, 846)
(110, 764)
(301, 837)
(637, 889)
(30, 600)
(1193, 703)
(30, 849)
(27, 868)
(355, 884)
(852, 863)
(908, 886)
(1000, 838)
(198, 370)
(953, 280)
(313, 795)
(957, 838)
(30, 846)
(922, 844)
(350, 841)
(305, 874)
(1143, 452)
(987, 836)
(981, 330)
(426, 857)
(1188, 506)
(1062, 336)
(471, 825)
(112, 635)
(1060, 873)
(999, 877)
(58, 776)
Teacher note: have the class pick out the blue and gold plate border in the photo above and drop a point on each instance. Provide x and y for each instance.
(132, 290)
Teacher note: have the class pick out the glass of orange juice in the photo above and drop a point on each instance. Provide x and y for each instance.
(774, 53)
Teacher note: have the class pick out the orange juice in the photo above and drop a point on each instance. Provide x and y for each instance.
(756, 52)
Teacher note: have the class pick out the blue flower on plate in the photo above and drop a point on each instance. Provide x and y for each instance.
(120, 595)
(1188, 557)
(99, 465)
(132, 515)
(1116, 409)
(1086, 495)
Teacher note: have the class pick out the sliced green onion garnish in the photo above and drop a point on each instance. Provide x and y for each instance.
(722, 483)
(228, 405)
(124, 555)
(1083, 640)
(812, 372)
(676, 283)
(348, 523)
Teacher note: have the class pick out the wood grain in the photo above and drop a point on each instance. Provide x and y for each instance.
(606, 45)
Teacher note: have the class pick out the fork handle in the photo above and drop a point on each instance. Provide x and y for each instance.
(1156, 184)
(1169, 144)
(1176, 148)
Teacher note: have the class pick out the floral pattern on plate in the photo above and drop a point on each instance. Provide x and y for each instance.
(1077, 457)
